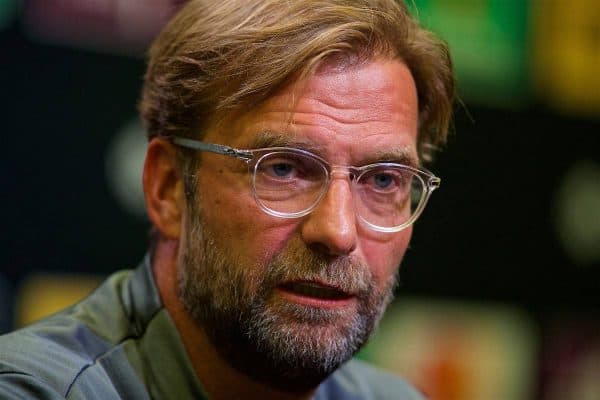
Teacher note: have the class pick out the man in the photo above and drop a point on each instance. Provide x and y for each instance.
(282, 178)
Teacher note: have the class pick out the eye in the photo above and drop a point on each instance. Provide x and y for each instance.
(281, 169)
(290, 168)
(383, 180)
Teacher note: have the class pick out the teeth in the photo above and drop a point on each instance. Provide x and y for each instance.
(318, 291)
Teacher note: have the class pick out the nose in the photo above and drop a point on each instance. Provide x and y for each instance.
(331, 226)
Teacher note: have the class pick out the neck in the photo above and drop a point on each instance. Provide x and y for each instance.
(218, 378)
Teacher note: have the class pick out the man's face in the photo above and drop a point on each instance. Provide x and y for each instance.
(288, 300)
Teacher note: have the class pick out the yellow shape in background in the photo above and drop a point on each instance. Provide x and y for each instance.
(43, 294)
(566, 36)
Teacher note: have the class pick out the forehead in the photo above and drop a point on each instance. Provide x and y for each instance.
(350, 112)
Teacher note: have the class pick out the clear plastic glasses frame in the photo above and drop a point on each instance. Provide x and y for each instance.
(422, 183)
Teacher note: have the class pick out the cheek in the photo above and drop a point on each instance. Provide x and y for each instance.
(384, 257)
(241, 229)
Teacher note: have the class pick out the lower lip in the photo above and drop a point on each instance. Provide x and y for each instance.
(315, 301)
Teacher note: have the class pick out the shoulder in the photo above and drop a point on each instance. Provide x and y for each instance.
(15, 385)
(359, 380)
(51, 355)
(47, 356)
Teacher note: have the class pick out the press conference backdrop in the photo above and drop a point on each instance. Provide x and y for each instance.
(499, 290)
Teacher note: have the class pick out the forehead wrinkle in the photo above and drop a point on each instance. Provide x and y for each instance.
(359, 101)
(359, 110)
(357, 117)
(347, 91)
(318, 116)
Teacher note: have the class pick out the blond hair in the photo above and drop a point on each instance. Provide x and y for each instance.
(216, 57)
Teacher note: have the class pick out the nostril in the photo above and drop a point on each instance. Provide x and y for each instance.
(332, 250)
(320, 248)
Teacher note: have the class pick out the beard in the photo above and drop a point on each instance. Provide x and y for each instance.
(286, 345)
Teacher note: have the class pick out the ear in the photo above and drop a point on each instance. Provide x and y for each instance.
(163, 188)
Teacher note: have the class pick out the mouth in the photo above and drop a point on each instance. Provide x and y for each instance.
(315, 293)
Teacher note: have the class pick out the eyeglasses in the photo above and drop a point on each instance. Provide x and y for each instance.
(289, 183)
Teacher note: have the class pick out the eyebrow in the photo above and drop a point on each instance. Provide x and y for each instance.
(275, 139)
(401, 155)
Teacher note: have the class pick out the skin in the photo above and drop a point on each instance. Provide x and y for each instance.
(353, 116)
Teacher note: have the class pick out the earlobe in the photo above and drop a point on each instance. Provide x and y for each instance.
(163, 188)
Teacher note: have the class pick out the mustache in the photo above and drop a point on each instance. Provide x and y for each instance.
(345, 273)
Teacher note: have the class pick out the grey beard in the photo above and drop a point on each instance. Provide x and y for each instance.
(285, 345)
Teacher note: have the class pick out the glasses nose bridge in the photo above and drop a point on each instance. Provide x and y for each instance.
(342, 171)
(335, 172)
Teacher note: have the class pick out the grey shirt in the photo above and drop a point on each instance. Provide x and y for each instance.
(120, 343)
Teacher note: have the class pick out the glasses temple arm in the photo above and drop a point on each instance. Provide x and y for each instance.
(210, 147)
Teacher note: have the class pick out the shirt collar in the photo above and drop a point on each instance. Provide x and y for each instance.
(162, 358)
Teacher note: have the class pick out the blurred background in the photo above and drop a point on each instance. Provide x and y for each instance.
(499, 295)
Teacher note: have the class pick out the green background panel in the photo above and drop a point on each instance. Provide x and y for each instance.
(488, 41)
(7, 12)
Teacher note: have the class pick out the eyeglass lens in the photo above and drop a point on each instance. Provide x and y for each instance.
(289, 183)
